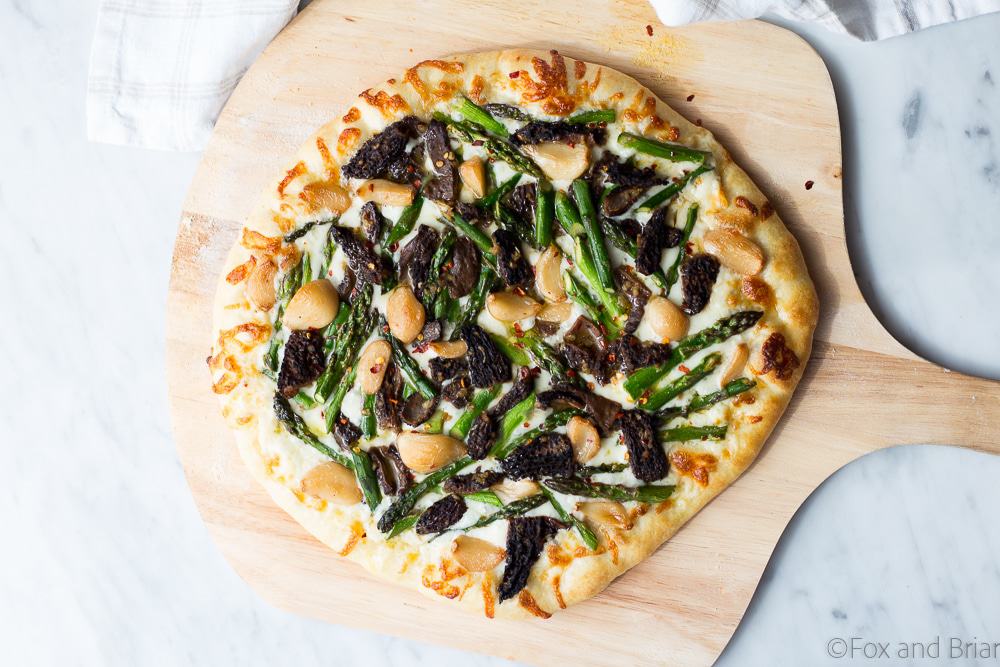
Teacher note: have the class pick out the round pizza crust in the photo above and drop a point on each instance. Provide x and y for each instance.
(549, 85)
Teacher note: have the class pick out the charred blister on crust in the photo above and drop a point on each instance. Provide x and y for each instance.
(646, 457)
(778, 357)
(526, 537)
(487, 364)
(441, 516)
(698, 276)
(547, 455)
(304, 361)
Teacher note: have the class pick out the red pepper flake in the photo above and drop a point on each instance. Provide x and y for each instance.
(393, 247)
(518, 331)
(690, 98)
(809, 185)
(649, 30)
(684, 369)
(526, 424)
(571, 373)
(478, 142)
(514, 75)
(689, 247)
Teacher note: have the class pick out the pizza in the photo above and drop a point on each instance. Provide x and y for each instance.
(504, 326)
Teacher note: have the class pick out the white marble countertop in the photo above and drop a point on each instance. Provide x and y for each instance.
(105, 560)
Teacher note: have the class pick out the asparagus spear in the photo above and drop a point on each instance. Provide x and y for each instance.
(673, 271)
(595, 239)
(651, 493)
(721, 330)
(568, 215)
(475, 113)
(332, 407)
(499, 149)
(690, 432)
(306, 269)
(669, 192)
(285, 291)
(543, 215)
(660, 395)
(297, 427)
(508, 111)
(407, 364)
(514, 417)
(366, 477)
(404, 225)
(476, 299)
(296, 234)
(477, 236)
(627, 245)
(368, 422)
(510, 350)
(700, 402)
(485, 496)
(479, 402)
(347, 342)
(552, 422)
(432, 290)
(436, 422)
(542, 354)
(516, 508)
(402, 525)
(498, 193)
(586, 534)
(595, 116)
(402, 506)
(508, 221)
(609, 299)
(590, 471)
(582, 297)
(672, 152)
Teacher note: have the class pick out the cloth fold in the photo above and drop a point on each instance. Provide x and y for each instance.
(161, 70)
(864, 19)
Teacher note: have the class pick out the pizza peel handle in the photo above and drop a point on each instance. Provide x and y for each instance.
(861, 390)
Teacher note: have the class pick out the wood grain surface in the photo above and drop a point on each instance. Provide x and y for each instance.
(767, 97)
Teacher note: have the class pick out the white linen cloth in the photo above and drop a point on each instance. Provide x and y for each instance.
(161, 70)
(864, 19)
